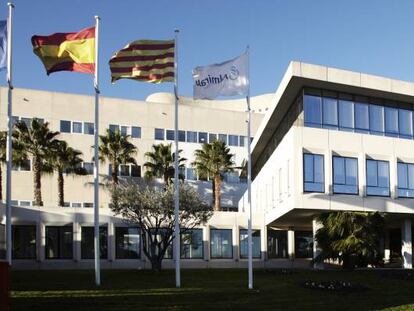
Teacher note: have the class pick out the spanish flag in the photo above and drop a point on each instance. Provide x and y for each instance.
(144, 60)
(74, 51)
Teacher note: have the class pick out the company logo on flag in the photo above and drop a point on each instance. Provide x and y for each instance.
(67, 51)
(144, 60)
(3, 44)
(225, 79)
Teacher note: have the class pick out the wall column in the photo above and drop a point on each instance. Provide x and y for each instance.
(111, 241)
(291, 243)
(77, 239)
(387, 251)
(206, 242)
(41, 241)
(406, 244)
(316, 225)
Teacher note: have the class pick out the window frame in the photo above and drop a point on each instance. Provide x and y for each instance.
(366, 181)
(323, 172)
(344, 184)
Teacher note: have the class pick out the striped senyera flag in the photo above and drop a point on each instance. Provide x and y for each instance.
(73, 51)
(144, 60)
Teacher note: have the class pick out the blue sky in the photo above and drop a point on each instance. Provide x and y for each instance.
(375, 37)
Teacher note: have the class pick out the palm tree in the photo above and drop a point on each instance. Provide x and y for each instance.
(36, 141)
(214, 159)
(67, 160)
(116, 149)
(161, 162)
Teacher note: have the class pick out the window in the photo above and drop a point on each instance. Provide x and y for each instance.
(242, 141)
(391, 121)
(124, 170)
(303, 244)
(191, 174)
(124, 130)
(66, 204)
(277, 243)
(212, 137)
(24, 242)
(221, 244)
(135, 170)
(345, 175)
(244, 246)
(77, 127)
(76, 204)
(405, 180)
(202, 137)
(159, 134)
(222, 138)
(346, 114)
(113, 128)
(330, 113)
(128, 243)
(135, 132)
(376, 119)
(59, 242)
(170, 134)
(312, 110)
(89, 167)
(27, 121)
(191, 137)
(25, 203)
(159, 237)
(24, 166)
(314, 179)
(88, 244)
(88, 205)
(88, 128)
(192, 244)
(378, 178)
(181, 136)
(65, 126)
(361, 118)
(231, 177)
(233, 140)
(405, 124)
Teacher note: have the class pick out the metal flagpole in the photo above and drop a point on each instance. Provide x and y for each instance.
(9, 139)
(96, 158)
(176, 181)
(249, 177)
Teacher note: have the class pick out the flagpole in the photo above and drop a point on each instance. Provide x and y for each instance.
(96, 159)
(9, 138)
(176, 181)
(249, 177)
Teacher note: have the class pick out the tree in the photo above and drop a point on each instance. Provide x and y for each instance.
(116, 149)
(352, 238)
(161, 162)
(36, 141)
(152, 209)
(214, 159)
(67, 160)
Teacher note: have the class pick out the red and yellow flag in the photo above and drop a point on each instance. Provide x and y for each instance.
(74, 51)
(144, 60)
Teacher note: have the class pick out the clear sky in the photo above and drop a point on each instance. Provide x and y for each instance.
(371, 36)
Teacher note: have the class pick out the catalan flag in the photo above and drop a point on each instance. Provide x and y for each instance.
(144, 60)
(73, 51)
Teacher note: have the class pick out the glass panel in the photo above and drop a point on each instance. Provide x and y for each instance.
(59, 242)
(318, 168)
(391, 121)
(88, 128)
(303, 244)
(124, 130)
(87, 243)
(410, 176)
(66, 242)
(89, 167)
(113, 128)
(233, 140)
(181, 136)
(372, 173)
(191, 137)
(277, 243)
(27, 121)
(221, 244)
(127, 243)
(361, 117)
(192, 244)
(170, 135)
(308, 163)
(191, 174)
(124, 170)
(244, 252)
(383, 174)
(64, 126)
(159, 134)
(339, 170)
(212, 137)
(76, 127)
(25, 165)
(330, 112)
(24, 242)
(405, 123)
(135, 132)
(242, 141)
(402, 175)
(135, 170)
(202, 137)
(376, 119)
(223, 138)
(313, 110)
(346, 114)
(351, 171)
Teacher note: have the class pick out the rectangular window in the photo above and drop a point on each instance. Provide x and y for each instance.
(65, 126)
(312, 110)
(233, 140)
(88, 128)
(202, 137)
(89, 167)
(405, 180)
(113, 128)
(25, 203)
(27, 121)
(242, 141)
(59, 242)
(135, 170)
(221, 244)
(77, 127)
(159, 134)
(303, 244)
(405, 124)
(76, 204)
(244, 246)
(314, 176)
(391, 122)
(223, 138)
(376, 119)
(160, 236)
(135, 132)
(191, 137)
(25, 165)
(124, 170)
(88, 205)
(330, 113)
(124, 130)
(192, 244)
(128, 243)
(378, 178)
(181, 136)
(346, 115)
(212, 137)
(231, 177)
(191, 174)
(24, 242)
(170, 134)
(361, 118)
(345, 175)
(87, 243)
(66, 204)
(277, 243)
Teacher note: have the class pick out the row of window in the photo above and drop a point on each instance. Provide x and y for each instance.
(59, 243)
(345, 176)
(200, 137)
(66, 204)
(356, 114)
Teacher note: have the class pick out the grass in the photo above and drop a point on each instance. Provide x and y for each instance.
(204, 290)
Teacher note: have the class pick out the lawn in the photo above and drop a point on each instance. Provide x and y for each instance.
(206, 290)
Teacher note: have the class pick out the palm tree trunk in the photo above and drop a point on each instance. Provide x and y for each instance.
(217, 192)
(213, 196)
(115, 172)
(37, 182)
(61, 182)
(1, 185)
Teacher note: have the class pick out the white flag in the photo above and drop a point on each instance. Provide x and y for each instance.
(226, 79)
